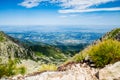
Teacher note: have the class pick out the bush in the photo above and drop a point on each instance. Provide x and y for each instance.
(22, 70)
(10, 68)
(103, 53)
(47, 67)
(1, 38)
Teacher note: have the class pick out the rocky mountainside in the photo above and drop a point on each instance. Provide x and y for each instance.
(29, 56)
(104, 53)
(12, 48)
(114, 34)
(99, 61)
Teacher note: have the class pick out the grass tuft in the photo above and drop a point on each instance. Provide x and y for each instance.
(103, 53)
(48, 67)
(10, 68)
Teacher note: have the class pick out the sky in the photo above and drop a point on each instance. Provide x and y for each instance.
(59, 12)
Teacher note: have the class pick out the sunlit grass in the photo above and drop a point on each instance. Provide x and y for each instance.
(103, 53)
(47, 67)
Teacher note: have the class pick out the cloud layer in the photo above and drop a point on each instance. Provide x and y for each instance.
(71, 6)
(89, 10)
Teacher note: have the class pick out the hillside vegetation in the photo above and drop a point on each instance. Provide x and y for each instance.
(114, 34)
(48, 54)
(10, 68)
(29, 56)
(103, 52)
(46, 58)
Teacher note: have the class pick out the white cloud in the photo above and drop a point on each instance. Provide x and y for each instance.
(76, 4)
(89, 10)
(71, 6)
(81, 4)
(33, 3)
(30, 3)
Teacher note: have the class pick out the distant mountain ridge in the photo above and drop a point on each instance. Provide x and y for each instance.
(69, 43)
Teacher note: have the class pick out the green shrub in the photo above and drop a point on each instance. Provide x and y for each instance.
(103, 53)
(47, 67)
(2, 70)
(10, 68)
(22, 70)
(78, 57)
(2, 38)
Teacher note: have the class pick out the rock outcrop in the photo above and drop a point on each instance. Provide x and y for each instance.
(110, 72)
(77, 72)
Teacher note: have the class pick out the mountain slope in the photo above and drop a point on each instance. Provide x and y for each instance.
(114, 34)
(102, 52)
(48, 54)
(12, 48)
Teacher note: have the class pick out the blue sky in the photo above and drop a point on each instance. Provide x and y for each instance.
(59, 12)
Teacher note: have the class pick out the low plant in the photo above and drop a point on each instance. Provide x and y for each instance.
(106, 52)
(103, 53)
(22, 70)
(10, 68)
(47, 67)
